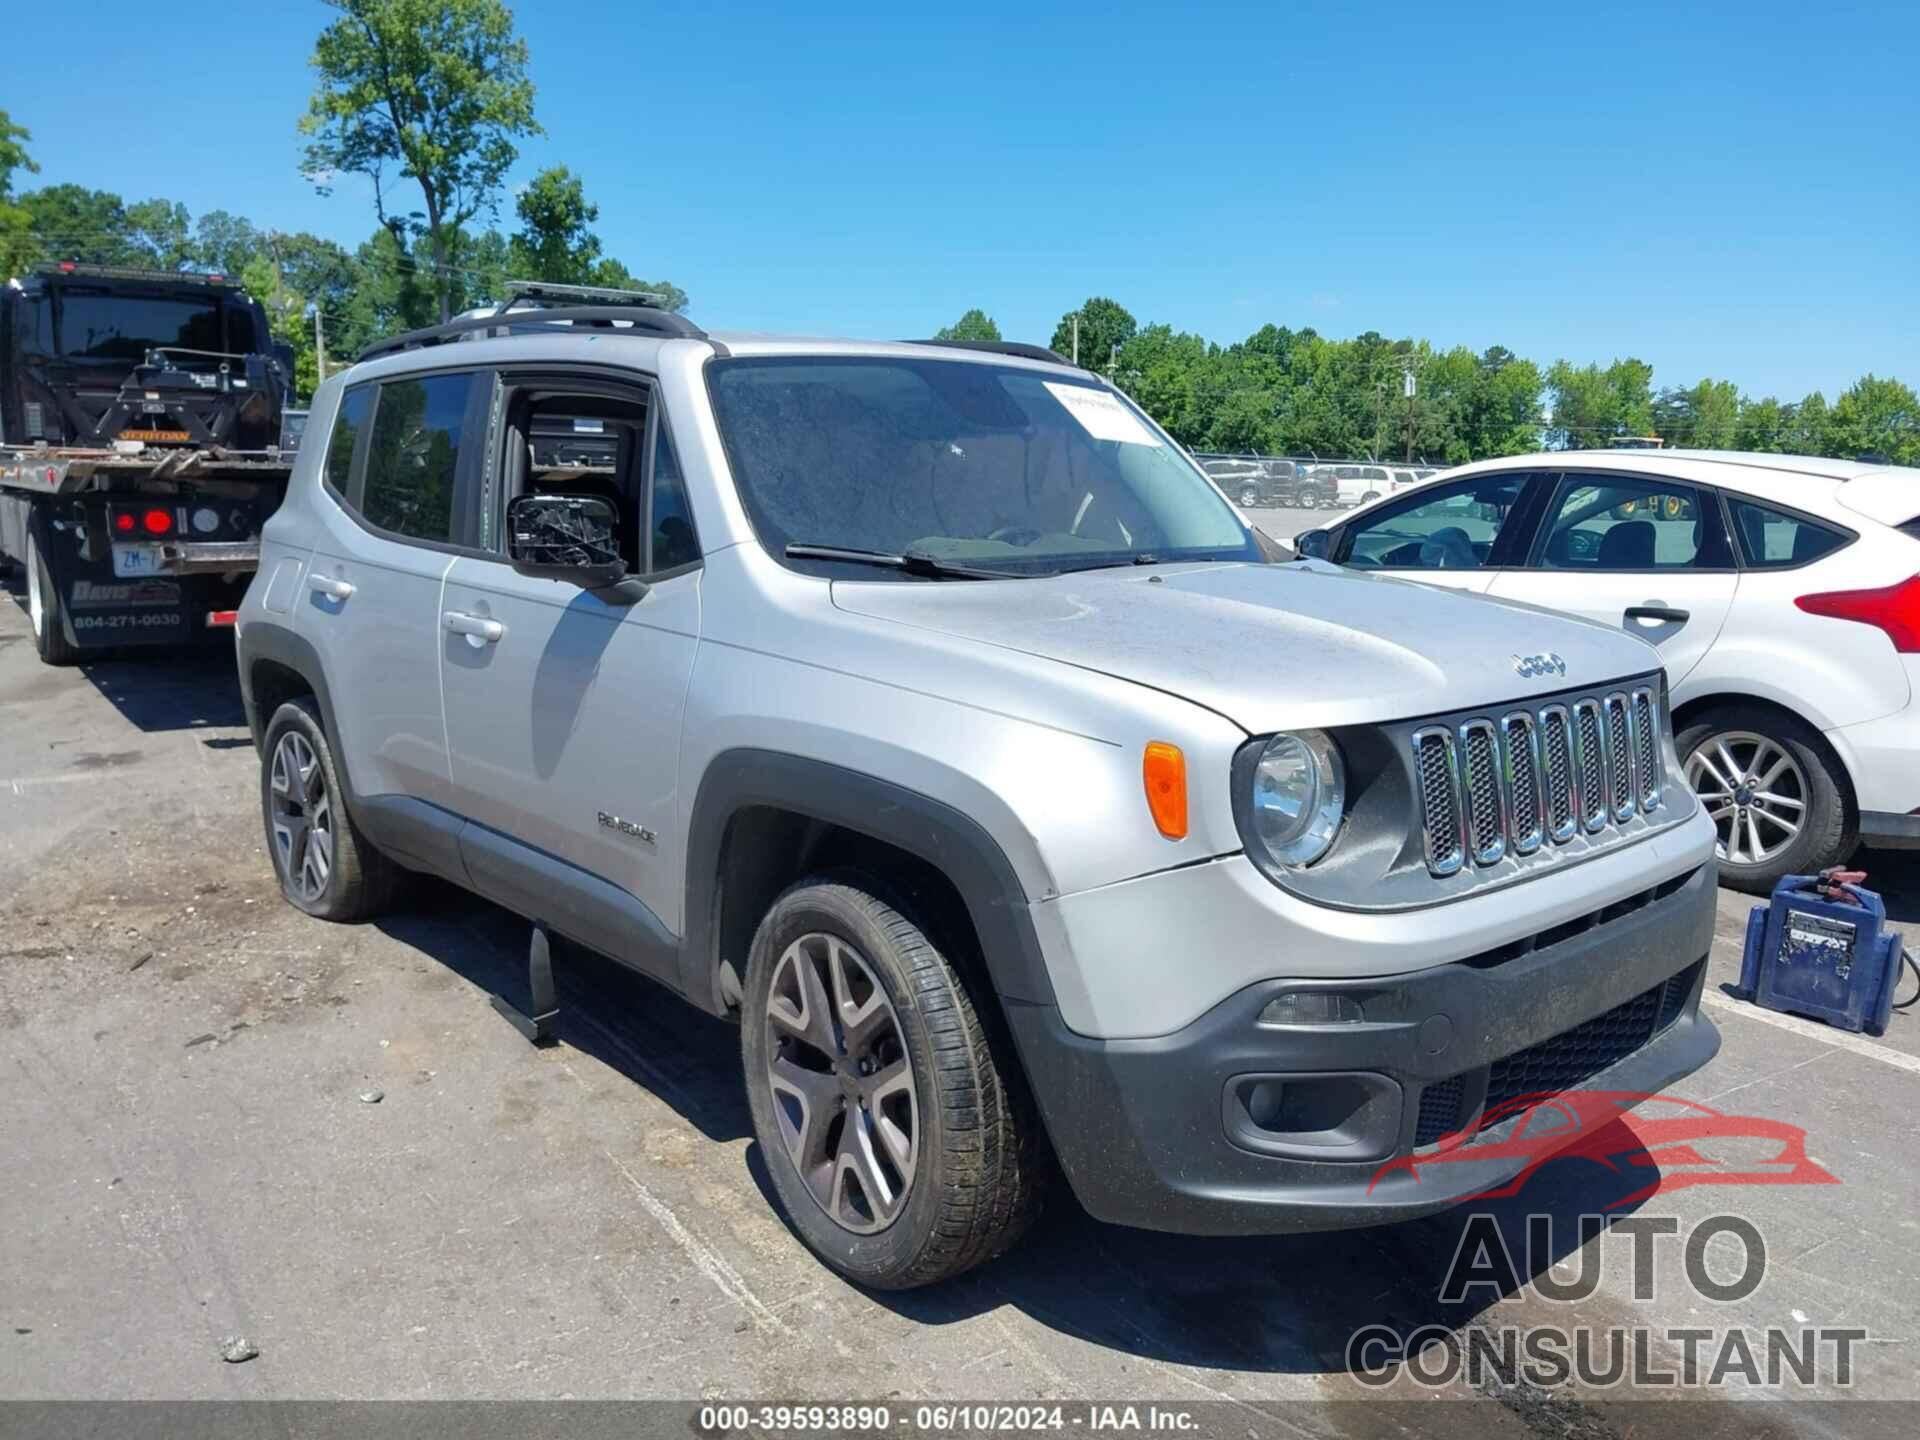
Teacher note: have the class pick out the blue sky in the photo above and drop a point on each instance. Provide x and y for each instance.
(1724, 189)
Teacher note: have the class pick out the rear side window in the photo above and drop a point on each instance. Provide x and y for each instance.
(413, 454)
(355, 406)
(1775, 540)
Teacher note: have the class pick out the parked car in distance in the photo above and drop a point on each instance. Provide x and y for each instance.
(1245, 481)
(1782, 591)
(926, 711)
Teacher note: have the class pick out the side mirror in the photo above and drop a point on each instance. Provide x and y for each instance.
(566, 537)
(1313, 544)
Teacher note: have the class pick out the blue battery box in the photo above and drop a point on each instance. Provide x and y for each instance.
(1820, 947)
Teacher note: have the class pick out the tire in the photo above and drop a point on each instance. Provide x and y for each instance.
(1752, 741)
(301, 797)
(45, 612)
(971, 1178)
(1249, 496)
(1309, 500)
(1369, 497)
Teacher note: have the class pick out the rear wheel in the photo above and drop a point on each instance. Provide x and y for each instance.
(325, 866)
(44, 611)
(1309, 499)
(896, 1130)
(1773, 792)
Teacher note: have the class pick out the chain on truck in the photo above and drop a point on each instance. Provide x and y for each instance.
(141, 450)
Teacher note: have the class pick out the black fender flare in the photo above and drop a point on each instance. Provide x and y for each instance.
(931, 830)
(266, 640)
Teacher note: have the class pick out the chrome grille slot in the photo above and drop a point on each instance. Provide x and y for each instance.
(1497, 789)
(1562, 778)
(1590, 753)
(1621, 746)
(1440, 806)
(1646, 714)
(1520, 762)
(1486, 799)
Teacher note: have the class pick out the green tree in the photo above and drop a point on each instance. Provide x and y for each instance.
(16, 241)
(436, 89)
(555, 241)
(974, 325)
(1591, 405)
(1764, 425)
(1105, 325)
(1705, 416)
(1807, 434)
(1876, 416)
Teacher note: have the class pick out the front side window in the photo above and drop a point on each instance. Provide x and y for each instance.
(671, 521)
(1633, 524)
(1455, 527)
(412, 456)
(1775, 540)
(999, 468)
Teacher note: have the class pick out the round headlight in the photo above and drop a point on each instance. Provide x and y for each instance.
(1299, 795)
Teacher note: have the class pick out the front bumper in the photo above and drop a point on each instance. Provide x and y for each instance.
(1160, 1132)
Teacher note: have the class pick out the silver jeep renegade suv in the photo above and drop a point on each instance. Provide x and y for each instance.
(925, 709)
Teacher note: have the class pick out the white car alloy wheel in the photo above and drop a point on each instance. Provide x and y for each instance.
(1755, 792)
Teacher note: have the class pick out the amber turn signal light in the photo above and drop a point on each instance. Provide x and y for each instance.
(1165, 770)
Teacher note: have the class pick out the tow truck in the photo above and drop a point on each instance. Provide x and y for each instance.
(141, 450)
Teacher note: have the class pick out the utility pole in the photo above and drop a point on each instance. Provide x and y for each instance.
(1076, 337)
(1409, 388)
(319, 347)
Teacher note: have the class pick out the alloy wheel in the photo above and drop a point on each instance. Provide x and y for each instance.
(843, 1091)
(1755, 792)
(302, 817)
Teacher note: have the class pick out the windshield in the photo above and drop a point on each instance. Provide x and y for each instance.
(101, 325)
(1013, 469)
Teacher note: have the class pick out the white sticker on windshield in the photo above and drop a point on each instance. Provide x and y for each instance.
(1101, 414)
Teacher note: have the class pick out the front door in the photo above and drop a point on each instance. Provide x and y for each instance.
(563, 706)
(1646, 554)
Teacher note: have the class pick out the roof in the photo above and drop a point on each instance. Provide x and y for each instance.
(1889, 494)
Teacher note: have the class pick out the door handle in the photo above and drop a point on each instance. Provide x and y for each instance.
(1665, 613)
(328, 586)
(476, 626)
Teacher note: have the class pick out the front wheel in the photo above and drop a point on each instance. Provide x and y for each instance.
(1773, 792)
(895, 1128)
(1249, 497)
(1308, 500)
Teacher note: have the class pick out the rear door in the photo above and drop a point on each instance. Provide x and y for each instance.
(400, 460)
(1647, 554)
(564, 706)
(1457, 535)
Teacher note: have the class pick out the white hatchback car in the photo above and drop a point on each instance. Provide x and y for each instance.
(1783, 593)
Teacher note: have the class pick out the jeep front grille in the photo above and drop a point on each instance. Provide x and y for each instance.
(1492, 788)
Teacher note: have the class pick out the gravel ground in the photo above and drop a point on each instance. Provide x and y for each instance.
(185, 1063)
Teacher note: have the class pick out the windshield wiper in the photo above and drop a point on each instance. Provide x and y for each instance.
(909, 562)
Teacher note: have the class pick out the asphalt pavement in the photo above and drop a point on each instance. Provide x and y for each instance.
(223, 1118)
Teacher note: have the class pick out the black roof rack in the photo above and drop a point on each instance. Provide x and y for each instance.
(630, 319)
(1001, 347)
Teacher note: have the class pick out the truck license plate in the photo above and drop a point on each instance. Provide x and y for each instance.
(134, 560)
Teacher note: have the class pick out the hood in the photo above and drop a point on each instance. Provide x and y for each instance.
(1271, 647)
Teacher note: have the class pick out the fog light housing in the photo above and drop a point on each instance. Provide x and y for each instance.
(1312, 1007)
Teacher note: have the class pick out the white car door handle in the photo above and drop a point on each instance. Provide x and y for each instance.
(328, 586)
(478, 626)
